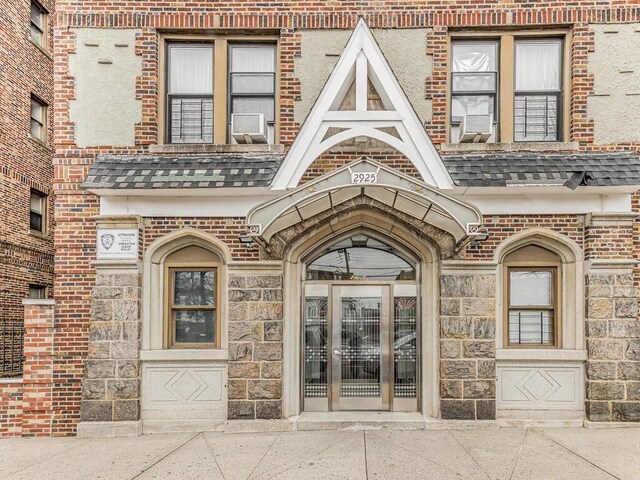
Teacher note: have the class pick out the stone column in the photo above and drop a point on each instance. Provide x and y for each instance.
(37, 387)
(111, 384)
(467, 344)
(255, 344)
(612, 326)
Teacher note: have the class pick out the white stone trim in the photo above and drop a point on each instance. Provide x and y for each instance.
(362, 59)
(428, 289)
(572, 279)
(9, 380)
(208, 202)
(153, 281)
(540, 354)
(184, 354)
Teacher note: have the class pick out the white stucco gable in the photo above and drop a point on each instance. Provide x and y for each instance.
(396, 124)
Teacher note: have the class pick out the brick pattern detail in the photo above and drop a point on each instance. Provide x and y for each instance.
(111, 385)
(37, 405)
(613, 343)
(255, 346)
(467, 347)
(11, 409)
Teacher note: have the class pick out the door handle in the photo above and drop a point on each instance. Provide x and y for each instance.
(337, 352)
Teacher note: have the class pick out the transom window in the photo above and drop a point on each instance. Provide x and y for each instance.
(360, 257)
(220, 90)
(507, 87)
(532, 291)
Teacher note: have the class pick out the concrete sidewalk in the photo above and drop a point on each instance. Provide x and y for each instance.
(507, 453)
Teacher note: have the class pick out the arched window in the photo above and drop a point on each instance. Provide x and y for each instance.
(192, 295)
(532, 315)
(360, 257)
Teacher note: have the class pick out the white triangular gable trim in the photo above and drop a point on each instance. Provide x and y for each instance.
(361, 60)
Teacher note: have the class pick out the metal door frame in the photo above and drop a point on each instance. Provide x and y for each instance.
(336, 402)
(333, 402)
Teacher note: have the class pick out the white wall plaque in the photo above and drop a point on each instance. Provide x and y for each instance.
(120, 243)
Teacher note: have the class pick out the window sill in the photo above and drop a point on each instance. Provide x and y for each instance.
(42, 49)
(39, 142)
(40, 235)
(540, 354)
(184, 354)
(9, 380)
(216, 148)
(509, 147)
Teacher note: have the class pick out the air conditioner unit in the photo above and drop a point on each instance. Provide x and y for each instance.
(249, 127)
(476, 128)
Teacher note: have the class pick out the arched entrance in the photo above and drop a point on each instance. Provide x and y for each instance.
(360, 329)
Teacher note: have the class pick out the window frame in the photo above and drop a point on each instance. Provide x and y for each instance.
(45, 26)
(494, 93)
(556, 303)
(231, 95)
(39, 288)
(221, 99)
(559, 94)
(169, 341)
(45, 119)
(43, 216)
(506, 78)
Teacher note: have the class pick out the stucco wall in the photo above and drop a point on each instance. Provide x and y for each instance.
(615, 65)
(105, 66)
(404, 49)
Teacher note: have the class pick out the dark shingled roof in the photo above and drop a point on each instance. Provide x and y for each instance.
(196, 171)
(539, 168)
(466, 169)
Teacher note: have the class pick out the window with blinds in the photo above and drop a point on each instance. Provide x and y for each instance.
(538, 89)
(532, 306)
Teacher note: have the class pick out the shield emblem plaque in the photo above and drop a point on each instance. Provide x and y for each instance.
(107, 240)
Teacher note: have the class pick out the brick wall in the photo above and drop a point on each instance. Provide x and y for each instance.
(25, 163)
(26, 406)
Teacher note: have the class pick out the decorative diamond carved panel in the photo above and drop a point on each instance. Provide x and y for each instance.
(540, 386)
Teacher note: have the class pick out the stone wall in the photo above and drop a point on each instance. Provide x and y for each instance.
(255, 346)
(613, 343)
(467, 346)
(111, 384)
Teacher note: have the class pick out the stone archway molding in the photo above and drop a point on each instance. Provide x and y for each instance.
(382, 225)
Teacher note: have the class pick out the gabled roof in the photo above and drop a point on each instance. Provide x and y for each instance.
(196, 171)
(535, 168)
(327, 125)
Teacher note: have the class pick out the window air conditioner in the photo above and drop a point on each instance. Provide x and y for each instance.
(249, 127)
(476, 128)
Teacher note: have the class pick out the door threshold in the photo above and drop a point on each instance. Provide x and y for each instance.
(359, 420)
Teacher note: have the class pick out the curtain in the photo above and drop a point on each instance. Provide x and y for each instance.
(253, 58)
(474, 57)
(538, 65)
(530, 288)
(191, 70)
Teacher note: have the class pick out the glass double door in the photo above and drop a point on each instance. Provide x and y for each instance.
(360, 349)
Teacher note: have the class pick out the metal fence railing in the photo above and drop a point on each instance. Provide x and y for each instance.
(11, 348)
